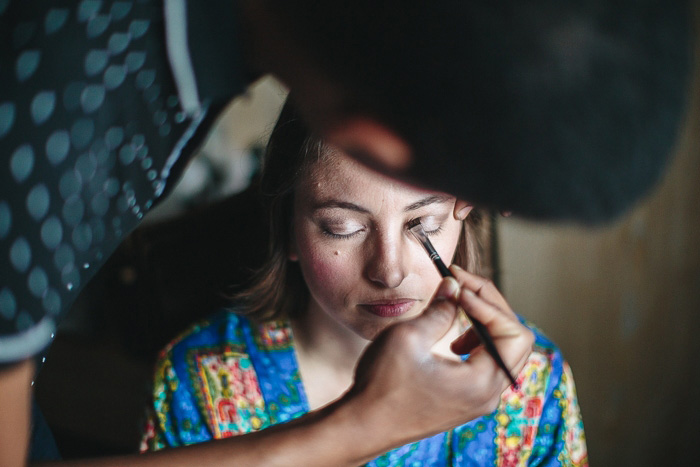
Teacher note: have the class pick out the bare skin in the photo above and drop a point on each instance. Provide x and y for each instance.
(15, 397)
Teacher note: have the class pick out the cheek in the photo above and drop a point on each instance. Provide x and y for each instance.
(323, 268)
(326, 270)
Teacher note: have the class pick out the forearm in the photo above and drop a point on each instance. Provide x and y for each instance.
(333, 435)
(15, 396)
(337, 435)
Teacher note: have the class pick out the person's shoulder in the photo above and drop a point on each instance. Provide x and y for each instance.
(543, 343)
(546, 363)
(222, 326)
(540, 417)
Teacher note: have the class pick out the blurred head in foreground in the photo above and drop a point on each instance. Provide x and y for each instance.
(552, 109)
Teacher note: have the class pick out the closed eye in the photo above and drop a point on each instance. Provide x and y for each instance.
(434, 231)
(341, 231)
(431, 224)
(331, 234)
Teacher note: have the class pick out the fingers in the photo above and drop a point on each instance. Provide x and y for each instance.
(512, 339)
(461, 210)
(436, 320)
(482, 300)
(501, 323)
(465, 343)
(484, 288)
(448, 289)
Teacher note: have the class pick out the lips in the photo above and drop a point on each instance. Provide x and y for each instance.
(389, 308)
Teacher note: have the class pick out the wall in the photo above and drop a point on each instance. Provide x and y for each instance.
(623, 302)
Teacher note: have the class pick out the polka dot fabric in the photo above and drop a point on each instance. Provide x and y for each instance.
(90, 129)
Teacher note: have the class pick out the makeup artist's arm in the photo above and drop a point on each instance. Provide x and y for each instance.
(15, 396)
(402, 393)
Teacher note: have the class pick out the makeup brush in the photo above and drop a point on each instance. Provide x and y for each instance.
(417, 230)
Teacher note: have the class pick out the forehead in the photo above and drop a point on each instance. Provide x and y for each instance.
(337, 175)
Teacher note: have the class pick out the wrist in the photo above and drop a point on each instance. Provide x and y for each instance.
(359, 424)
(339, 434)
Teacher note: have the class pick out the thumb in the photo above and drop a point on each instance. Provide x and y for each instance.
(438, 317)
(465, 343)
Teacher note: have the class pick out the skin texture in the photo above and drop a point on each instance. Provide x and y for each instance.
(354, 247)
(15, 382)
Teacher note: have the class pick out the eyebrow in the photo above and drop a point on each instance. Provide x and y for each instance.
(433, 199)
(428, 200)
(334, 203)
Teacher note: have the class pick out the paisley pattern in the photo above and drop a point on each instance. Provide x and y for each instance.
(227, 376)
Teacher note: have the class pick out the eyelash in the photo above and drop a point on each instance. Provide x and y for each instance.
(330, 234)
(340, 236)
(429, 233)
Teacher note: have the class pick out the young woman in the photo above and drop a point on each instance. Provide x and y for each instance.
(343, 267)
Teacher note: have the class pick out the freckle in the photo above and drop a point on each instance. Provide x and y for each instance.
(337, 253)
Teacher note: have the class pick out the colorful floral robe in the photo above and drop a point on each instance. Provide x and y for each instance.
(226, 376)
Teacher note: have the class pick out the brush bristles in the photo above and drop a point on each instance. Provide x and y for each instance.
(414, 223)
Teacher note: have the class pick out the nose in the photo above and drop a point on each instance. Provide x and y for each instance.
(386, 261)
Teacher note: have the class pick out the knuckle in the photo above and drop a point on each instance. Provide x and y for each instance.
(529, 337)
(443, 310)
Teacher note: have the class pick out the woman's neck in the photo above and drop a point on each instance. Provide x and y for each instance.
(327, 353)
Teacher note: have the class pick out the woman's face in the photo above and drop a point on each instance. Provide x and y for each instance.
(361, 264)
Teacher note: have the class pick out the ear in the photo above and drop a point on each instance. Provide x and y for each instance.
(371, 143)
(462, 210)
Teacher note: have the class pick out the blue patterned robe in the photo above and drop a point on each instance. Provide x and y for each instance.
(227, 376)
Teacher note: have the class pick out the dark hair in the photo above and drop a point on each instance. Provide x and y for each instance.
(547, 108)
(278, 288)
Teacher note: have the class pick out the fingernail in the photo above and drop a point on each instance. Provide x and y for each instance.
(468, 293)
(449, 288)
(455, 266)
(462, 213)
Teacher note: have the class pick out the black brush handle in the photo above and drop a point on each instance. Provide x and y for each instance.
(444, 270)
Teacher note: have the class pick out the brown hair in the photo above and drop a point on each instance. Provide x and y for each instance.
(278, 288)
